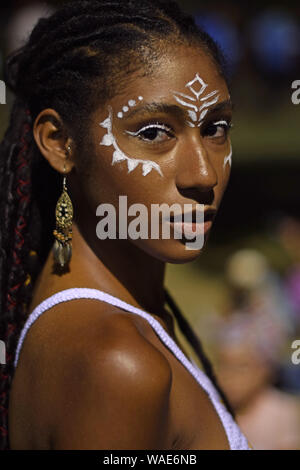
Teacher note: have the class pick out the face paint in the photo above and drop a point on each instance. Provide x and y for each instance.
(119, 155)
(131, 104)
(228, 158)
(198, 106)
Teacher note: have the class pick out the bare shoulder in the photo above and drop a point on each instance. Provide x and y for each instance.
(83, 328)
(102, 384)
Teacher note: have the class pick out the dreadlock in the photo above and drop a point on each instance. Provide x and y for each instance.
(197, 346)
(73, 61)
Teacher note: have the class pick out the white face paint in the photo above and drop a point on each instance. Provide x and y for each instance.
(125, 109)
(119, 155)
(228, 158)
(198, 106)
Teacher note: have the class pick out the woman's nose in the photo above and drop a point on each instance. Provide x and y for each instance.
(195, 168)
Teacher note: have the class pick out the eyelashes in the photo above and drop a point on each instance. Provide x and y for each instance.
(156, 132)
(150, 126)
(159, 132)
(217, 129)
(222, 122)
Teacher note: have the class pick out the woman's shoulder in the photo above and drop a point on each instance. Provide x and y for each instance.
(87, 327)
(77, 350)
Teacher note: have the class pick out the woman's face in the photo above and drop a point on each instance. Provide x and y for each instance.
(163, 140)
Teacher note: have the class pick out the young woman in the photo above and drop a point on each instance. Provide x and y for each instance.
(113, 98)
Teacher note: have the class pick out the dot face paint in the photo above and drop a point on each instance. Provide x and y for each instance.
(197, 103)
(119, 155)
(125, 109)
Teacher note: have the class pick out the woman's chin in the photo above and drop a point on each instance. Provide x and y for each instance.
(174, 251)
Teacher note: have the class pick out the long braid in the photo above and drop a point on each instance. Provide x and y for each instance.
(74, 61)
(197, 346)
(15, 180)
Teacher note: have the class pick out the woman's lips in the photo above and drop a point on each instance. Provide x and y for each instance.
(188, 225)
(191, 229)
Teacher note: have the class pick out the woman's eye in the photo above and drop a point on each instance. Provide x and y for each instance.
(217, 129)
(156, 133)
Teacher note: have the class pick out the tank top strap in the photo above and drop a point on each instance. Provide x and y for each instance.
(235, 438)
(89, 293)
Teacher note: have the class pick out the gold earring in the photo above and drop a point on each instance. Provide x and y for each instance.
(62, 249)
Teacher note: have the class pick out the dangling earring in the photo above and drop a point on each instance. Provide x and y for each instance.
(62, 248)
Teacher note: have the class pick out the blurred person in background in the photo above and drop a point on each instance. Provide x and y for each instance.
(248, 357)
(288, 233)
(256, 288)
(250, 345)
(289, 236)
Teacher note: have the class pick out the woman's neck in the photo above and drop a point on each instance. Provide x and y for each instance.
(120, 268)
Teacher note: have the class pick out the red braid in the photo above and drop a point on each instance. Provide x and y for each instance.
(21, 223)
(22, 199)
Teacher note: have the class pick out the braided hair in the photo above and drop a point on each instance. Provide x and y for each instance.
(73, 61)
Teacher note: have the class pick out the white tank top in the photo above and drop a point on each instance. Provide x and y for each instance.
(236, 439)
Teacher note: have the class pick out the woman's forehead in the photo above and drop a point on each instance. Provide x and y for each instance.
(191, 77)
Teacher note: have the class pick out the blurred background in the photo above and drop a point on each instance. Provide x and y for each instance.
(242, 295)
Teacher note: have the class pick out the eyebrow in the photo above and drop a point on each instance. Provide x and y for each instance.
(221, 106)
(175, 109)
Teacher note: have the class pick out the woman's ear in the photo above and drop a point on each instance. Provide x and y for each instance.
(51, 138)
